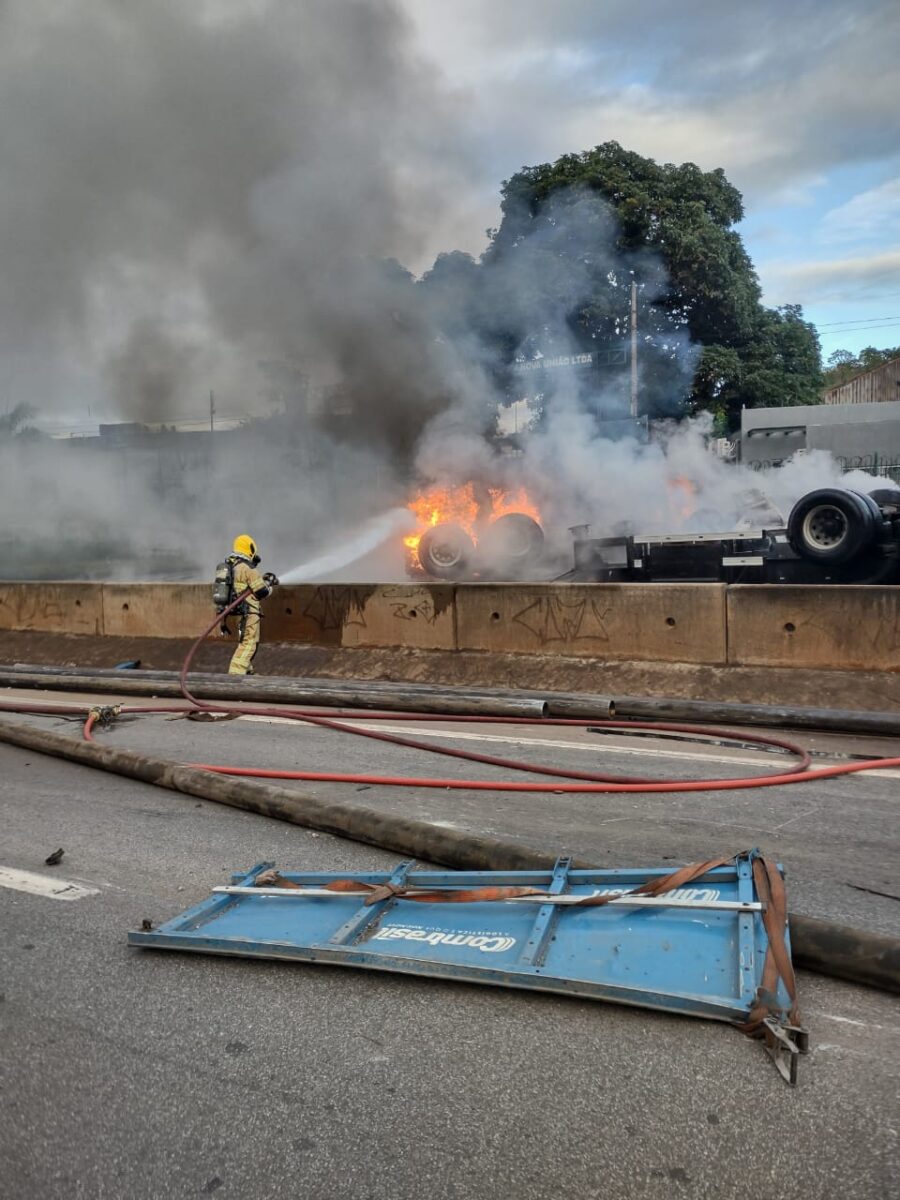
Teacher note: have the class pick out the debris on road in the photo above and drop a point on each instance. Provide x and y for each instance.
(708, 940)
(56, 857)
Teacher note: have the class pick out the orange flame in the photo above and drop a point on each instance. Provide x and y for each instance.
(683, 493)
(509, 502)
(459, 506)
(439, 505)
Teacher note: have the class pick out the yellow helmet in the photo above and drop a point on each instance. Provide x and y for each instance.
(245, 546)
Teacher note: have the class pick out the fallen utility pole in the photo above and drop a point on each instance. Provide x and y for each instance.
(420, 697)
(274, 690)
(770, 716)
(822, 946)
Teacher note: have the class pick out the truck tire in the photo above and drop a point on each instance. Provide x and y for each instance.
(886, 498)
(511, 543)
(446, 551)
(832, 525)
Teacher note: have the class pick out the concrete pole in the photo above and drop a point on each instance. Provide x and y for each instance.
(634, 395)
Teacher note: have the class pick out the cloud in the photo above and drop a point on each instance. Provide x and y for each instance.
(866, 215)
(776, 94)
(831, 280)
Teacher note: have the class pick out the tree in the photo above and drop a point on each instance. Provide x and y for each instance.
(843, 366)
(14, 423)
(609, 216)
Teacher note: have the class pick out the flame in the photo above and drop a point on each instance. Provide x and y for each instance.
(440, 505)
(460, 506)
(509, 502)
(683, 494)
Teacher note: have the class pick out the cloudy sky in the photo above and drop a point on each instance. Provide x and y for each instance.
(190, 187)
(798, 100)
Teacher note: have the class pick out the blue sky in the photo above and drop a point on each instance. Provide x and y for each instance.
(798, 101)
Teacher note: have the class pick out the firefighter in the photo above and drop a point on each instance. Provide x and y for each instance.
(245, 559)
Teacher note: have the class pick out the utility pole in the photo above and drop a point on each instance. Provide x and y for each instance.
(634, 395)
(212, 412)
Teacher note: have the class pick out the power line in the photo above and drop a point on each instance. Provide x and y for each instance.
(857, 321)
(859, 328)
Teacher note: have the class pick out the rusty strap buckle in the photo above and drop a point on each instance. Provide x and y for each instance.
(784, 1044)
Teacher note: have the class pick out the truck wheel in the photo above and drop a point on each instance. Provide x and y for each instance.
(510, 543)
(886, 498)
(832, 525)
(446, 551)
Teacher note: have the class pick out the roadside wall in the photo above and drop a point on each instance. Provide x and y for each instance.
(842, 628)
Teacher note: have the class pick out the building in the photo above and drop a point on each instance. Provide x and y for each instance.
(879, 386)
(864, 436)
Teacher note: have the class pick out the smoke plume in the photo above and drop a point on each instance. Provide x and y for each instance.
(229, 196)
(227, 174)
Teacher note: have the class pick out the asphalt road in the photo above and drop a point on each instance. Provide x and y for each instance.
(127, 1073)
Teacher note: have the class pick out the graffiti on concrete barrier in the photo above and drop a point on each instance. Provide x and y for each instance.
(40, 606)
(334, 607)
(423, 610)
(554, 619)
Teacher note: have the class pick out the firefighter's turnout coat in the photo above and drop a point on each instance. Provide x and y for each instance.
(246, 576)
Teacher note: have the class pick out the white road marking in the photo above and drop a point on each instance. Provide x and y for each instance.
(641, 751)
(50, 886)
(848, 1021)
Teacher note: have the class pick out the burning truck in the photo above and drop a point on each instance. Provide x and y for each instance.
(831, 535)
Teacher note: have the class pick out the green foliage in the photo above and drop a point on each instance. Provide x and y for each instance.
(677, 216)
(844, 366)
(776, 367)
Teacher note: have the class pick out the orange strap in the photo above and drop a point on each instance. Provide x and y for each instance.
(384, 891)
(771, 891)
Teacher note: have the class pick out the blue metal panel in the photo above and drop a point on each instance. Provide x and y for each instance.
(698, 960)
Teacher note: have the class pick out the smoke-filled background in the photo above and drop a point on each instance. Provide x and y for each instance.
(244, 198)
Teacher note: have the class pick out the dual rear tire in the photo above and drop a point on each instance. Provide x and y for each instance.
(834, 526)
(508, 546)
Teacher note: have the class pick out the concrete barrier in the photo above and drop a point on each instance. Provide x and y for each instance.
(155, 609)
(52, 607)
(363, 615)
(830, 628)
(307, 613)
(422, 617)
(682, 622)
(845, 628)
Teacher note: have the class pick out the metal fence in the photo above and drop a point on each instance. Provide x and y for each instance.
(874, 463)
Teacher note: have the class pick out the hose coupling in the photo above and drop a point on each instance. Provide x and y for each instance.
(105, 714)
